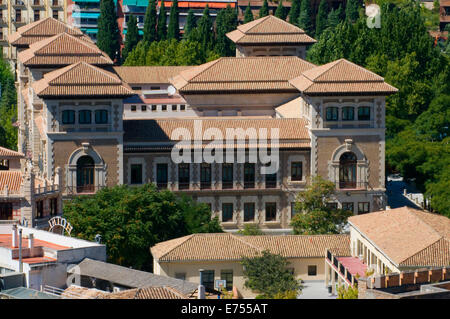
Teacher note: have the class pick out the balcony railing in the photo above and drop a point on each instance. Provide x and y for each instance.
(183, 185)
(249, 184)
(205, 185)
(271, 184)
(161, 185)
(85, 189)
(351, 185)
(46, 189)
(351, 279)
(227, 184)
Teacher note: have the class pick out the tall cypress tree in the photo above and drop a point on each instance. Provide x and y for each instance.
(264, 11)
(226, 22)
(294, 12)
(190, 24)
(132, 37)
(204, 31)
(150, 21)
(335, 17)
(352, 10)
(304, 19)
(108, 35)
(280, 12)
(321, 18)
(162, 22)
(173, 32)
(248, 15)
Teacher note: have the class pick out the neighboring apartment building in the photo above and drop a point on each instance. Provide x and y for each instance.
(24, 197)
(444, 14)
(220, 256)
(45, 255)
(17, 13)
(91, 120)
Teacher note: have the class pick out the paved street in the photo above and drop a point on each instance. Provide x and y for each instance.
(315, 290)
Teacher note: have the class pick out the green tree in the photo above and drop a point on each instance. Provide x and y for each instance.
(108, 36)
(352, 10)
(173, 32)
(334, 17)
(304, 18)
(280, 12)
(132, 219)
(248, 15)
(250, 230)
(264, 11)
(190, 24)
(132, 37)
(294, 12)
(435, 121)
(203, 32)
(268, 275)
(162, 22)
(322, 18)
(150, 20)
(315, 215)
(347, 293)
(226, 21)
(8, 107)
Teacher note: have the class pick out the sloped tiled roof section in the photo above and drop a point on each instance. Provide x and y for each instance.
(249, 74)
(7, 153)
(148, 74)
(269, 30)
(61, 50)
(226, 246)
(341, 77)
(292, 133)
(39, 30)
(10, 179)
(81, 80)
(146, 293)
(407, 236)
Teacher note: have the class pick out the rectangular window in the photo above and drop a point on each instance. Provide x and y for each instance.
(161, 175)
(182, 107)
(101, 116)
(271, 180)
(68, 117)
(136, 173)
(19, 15)
(208, 279)
(312, 270)
(249, 175)
(133, 108)
(6, 211)
(174, 107)
(136, 88)
(293, 210)
(347, 206)
(39, 209)
(227, 275)
(53, 206)
(84, 117)
(153, 108)
(227, 175)
(183, 176)
(332, 113)
(143, 108)
(37, 15)
(205, 176)
(296, 171)
(227, 212)
(332, 206)
(363, 208)
(155, 88)
(363, 113)
(163, 107)
(55, 14)
(271, 212)
(249, 212)
(348, 113)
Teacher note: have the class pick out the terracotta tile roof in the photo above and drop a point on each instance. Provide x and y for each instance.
(12, 179)
(290, 109)
(5, 152)
(247, 74)
(81, 80)
(148, 74)
(341, 77)
(146, 293)
(39, 30)
(77, 292)
(226, 246)
(61, 50)
(292, 132)
(269, 30)
(407, 236)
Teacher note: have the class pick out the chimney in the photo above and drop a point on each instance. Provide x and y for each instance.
(30, 241)
(14, 236)
(201, 288)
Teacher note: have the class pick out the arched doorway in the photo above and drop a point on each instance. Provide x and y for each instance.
(347, 170)
(85, 174)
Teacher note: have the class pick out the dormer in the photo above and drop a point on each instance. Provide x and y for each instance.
(270, 36)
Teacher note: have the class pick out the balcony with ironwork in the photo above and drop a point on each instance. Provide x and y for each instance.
(83, 190)
(37, 3)
(351, 185)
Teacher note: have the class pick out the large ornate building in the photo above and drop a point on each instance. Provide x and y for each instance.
(104, 125)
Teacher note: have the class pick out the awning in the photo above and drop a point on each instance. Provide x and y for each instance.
(93, 15)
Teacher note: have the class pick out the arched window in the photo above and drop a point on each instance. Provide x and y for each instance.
(347, 170)
(85, 174)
